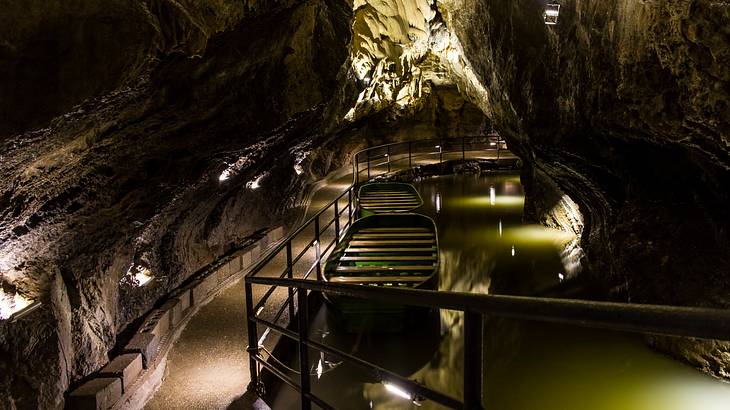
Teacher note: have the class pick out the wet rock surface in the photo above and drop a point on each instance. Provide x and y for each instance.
(624, 105)
(133, 176)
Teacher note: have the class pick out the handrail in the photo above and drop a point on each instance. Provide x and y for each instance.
(706, 323)
(275, 250)
(472, 324)
(498, 142)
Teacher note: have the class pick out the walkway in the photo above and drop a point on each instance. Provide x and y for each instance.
(207, 367)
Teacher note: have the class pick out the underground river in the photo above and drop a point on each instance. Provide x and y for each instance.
(486, 248)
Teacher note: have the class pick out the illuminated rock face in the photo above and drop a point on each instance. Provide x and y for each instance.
(623, 107)
(132, 177)
(401, 52)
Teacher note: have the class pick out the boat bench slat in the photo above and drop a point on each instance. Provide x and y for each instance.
(393, 235)
(390, 192)
(395, 228)
(388, 258)
(394, 242)
(389, 201)
(378, 279)
(392, 268)
(380, 250)
(389, 195)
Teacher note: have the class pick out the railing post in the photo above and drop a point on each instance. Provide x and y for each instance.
(349, 206)
(472, 360)
(253, 348)
(368, 165)
(357, 170)
(303, 352)
(441, 150)
(317, 248)
(290, 275)
(463, 148)
(337, 221)
(388, 155)
(409, 154)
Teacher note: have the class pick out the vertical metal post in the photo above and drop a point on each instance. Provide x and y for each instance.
(463, 148)
(388, 155)
(337, 221)
(472, 360)
(499, 146)
(303, 352)
(349, 206)
(357, 170)
(253, 348)
(317, 248)
(441, 150)
(290, 275)
(368, 165)
(409, 154)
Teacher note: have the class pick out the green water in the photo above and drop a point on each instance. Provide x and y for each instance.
(485, 248)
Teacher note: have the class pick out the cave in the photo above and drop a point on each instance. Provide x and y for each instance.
(158, 156)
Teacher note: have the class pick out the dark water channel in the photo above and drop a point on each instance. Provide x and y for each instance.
(485, 248)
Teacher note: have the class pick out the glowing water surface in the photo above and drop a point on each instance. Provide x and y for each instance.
(485, 248)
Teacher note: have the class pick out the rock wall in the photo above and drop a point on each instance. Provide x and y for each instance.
(624, 105)
(133, 176)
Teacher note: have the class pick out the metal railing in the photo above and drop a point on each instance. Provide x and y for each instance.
(398, 156)
(309, 238)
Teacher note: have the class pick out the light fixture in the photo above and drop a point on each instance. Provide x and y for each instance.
(550, 16)
(11, 303)
(137, 275)
(438, 202)
(255, 183)
(225, 175)
(397, 390)
(561, 276)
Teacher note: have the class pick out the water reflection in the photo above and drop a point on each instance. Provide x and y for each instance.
(527, 365)
(532, 365)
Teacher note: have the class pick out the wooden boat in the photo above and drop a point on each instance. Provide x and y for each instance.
(388, 197)
(394, 250)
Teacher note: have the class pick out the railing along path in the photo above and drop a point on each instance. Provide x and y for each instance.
(306, 242)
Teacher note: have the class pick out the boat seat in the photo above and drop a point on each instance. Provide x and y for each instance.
(380, 250)
(394, 229)
(393, 242)
(378, 279)
(393, 235)
(395, 268)
(416, 258)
